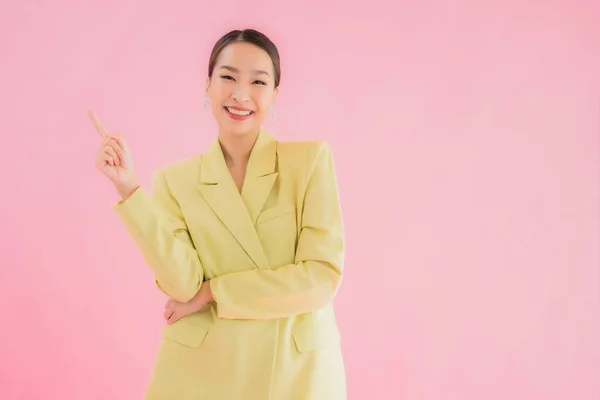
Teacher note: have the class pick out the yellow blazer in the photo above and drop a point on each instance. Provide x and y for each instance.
(274, 256)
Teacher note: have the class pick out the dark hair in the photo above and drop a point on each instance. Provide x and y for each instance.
(249, 36)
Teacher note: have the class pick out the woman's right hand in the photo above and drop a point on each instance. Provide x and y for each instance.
(113, 159)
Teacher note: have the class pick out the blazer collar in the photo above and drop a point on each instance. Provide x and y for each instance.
(263, 160)
(239, 212)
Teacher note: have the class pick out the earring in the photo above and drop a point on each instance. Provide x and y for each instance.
(206, 103)
(272, 114)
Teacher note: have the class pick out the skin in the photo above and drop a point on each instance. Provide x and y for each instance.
(243, 77)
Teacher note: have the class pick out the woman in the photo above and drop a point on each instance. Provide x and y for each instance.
(247, 242)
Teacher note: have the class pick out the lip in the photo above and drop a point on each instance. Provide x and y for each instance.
(239, 108)
(238, 117)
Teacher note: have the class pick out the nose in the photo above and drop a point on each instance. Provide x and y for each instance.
(240, 94)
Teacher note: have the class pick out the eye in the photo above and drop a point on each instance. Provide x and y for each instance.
(260, 82)
(228, 77)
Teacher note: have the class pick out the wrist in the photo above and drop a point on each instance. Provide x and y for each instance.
(207, 292)
(126, 190)
(203, 297)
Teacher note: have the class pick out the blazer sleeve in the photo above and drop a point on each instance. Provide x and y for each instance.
(157, 226)
(313, 281)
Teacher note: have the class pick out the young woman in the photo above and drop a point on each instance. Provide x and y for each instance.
(246, 240)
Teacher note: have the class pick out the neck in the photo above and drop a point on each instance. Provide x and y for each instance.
(237, 148)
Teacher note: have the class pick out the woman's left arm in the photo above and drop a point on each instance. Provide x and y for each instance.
(313, 280)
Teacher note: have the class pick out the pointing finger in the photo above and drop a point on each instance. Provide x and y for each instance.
(97, 124)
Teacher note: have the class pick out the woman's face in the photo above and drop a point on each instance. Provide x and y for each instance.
(242, 88)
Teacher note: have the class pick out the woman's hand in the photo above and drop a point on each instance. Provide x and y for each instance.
(175, 310)
(113, 159)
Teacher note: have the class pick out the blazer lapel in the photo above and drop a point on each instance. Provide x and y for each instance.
(261, 174)
(239, 212)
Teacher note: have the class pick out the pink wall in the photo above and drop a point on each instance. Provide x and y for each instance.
(466, 138)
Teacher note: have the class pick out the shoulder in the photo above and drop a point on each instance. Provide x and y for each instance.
(303, 153)
(312, 147)
(181, 169)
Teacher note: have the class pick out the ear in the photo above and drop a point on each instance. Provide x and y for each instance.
(275, 93)
(207, 84)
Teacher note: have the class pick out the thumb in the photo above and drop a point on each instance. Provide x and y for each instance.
(120, 138)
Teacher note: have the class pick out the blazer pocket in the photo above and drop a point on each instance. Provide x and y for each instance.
(316, 337)
(185, 334)
(275, 212)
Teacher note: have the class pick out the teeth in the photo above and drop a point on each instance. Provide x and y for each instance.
(238, 112)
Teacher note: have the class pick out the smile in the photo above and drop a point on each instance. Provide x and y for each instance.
(242, 113)
(238, 115)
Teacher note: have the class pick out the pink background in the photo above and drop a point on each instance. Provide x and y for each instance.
(466, 136)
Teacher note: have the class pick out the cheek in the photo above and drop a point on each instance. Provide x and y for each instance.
(219, 92)
(217, 111)
(263, 100)
(217, 99)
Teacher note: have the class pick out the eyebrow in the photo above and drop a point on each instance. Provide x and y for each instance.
(254, 71)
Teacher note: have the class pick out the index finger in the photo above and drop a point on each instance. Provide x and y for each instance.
(97, 124)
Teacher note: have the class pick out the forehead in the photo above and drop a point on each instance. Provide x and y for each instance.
(245, 57)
